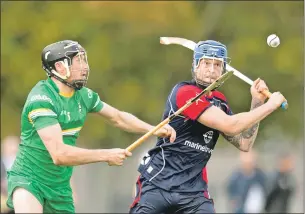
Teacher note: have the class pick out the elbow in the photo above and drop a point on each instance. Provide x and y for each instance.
(117, 124)
(244, 149)
(233, 127)
(116, 121)
(57, 161)
(58, 158)
(231, 130)
(121, 120)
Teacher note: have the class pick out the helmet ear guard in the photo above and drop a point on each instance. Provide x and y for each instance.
(66, 65)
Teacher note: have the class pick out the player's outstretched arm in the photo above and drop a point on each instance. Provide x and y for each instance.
(67, 155)
(130, 123)
(238, 123)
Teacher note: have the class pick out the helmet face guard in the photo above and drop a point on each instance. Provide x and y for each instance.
(208, 50)
(64, 52)
(82, 58)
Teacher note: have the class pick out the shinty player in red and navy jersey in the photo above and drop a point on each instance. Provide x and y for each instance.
(173, 177)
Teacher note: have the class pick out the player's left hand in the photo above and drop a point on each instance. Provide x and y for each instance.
(167, 131)
(258, 87)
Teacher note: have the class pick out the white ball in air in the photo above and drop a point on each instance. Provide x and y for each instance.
(273, 40)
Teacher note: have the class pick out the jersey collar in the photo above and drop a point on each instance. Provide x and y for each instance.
(52, 84)
(55, 87)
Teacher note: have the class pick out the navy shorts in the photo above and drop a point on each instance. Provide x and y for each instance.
(151, 199)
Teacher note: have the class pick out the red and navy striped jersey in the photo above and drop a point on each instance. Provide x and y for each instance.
(180, 166)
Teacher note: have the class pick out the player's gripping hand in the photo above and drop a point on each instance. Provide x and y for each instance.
(276, 100)
(166, 131)
(116, 157)
(258, 87)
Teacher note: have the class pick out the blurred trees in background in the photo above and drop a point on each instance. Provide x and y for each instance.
(133, 72)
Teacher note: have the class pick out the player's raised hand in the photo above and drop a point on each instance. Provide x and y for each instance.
(257, 88)
(166, 131)
(276, 99)
(116, 157)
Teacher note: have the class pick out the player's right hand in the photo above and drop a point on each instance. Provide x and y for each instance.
(116, 157)
(276, 100)
(257, 88)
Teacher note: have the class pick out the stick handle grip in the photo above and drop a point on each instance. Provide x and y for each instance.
(147, 135)
(268, 94)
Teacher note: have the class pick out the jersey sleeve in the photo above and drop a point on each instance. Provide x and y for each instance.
(229, 111)
(184, 94)
(41, 111)
(96, 103)
(224, 103)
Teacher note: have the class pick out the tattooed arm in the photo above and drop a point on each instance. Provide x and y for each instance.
(245, 140)
(241, 129)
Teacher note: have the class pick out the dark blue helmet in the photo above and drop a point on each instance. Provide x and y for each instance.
(209, 49)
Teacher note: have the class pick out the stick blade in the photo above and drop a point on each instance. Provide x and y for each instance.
(178, 41)
(164, 41)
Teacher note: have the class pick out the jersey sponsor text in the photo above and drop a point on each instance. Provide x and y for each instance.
(198, 146)
(41, 98)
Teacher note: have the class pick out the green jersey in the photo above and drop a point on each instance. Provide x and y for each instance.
(44, 107)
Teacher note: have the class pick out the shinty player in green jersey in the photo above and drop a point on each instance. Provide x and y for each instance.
(52, 117)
